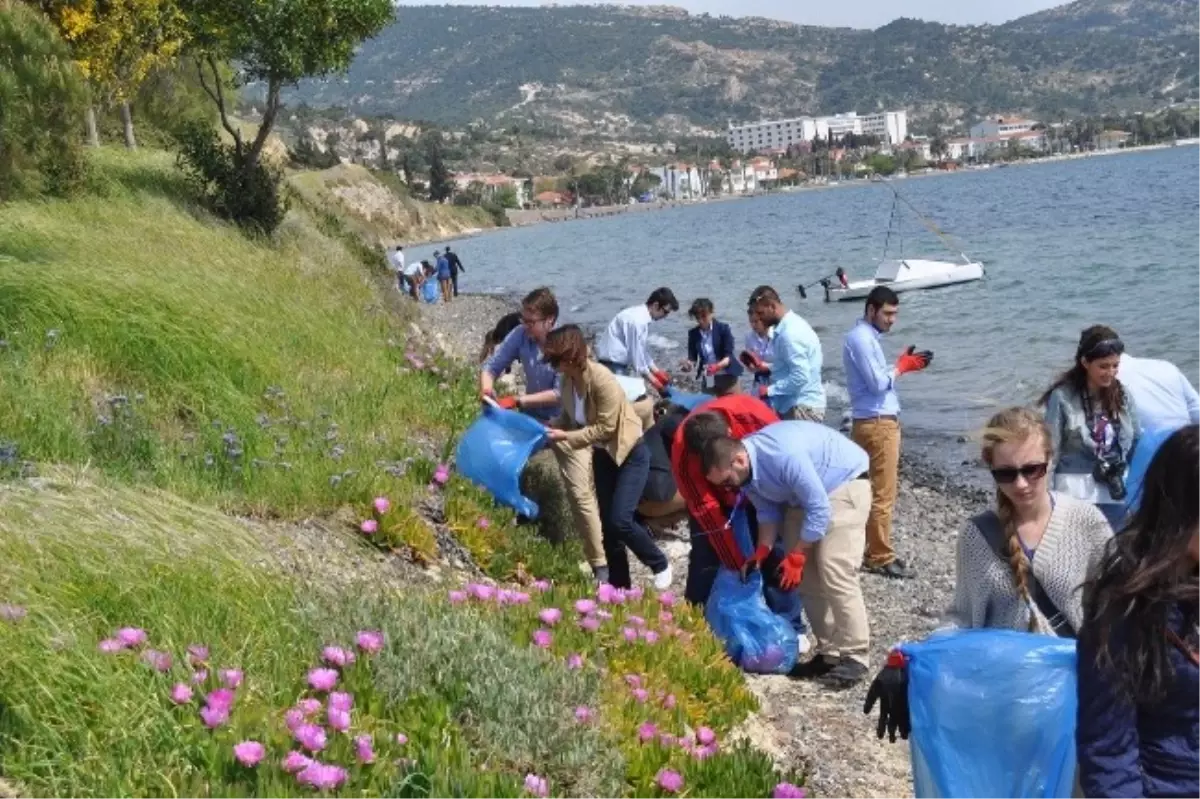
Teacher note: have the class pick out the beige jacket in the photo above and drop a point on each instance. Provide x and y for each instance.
(612, 421)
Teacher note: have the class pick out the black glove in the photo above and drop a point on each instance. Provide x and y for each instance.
(890, 688)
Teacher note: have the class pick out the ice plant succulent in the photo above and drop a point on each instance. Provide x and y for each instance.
(583, 714)
(589, 624)
(110, 645)
(369, 526)
(310, 736)
(786, 790)
(131, 636)
(336, 656)
(197, 654)
(647, 732)
(295, 761)
(382, 505)
(321, 776)
(157, 660)
(309, 706)
(442, 474)
(214, 716)
(705, 736)
(369, 641)
(584, 606)
(231, 678)
(550, 616)
(249, 753)
(363, 749)
(339, 720)
(574, 661)
(536, 786)
(457, 597)
(541, 585)
(340, 700)
(670, 781)
(542, 638)
(322, 679)
(181, 694)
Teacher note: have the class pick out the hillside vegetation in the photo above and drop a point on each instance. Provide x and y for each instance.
(612, 69)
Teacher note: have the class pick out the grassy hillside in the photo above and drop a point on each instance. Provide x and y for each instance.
(159, 370)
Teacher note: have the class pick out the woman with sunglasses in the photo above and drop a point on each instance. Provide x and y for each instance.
(597, 415)
(1093, 424)
(1138, 660)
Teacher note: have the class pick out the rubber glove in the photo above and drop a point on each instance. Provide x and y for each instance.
(753, 362)
(487, 395)
(662, 377)
(791, 571)
(890, 689)
(657, 384)
(762, 393)
(755, 562)
(912, 361)
(507, 403)
(711, 369)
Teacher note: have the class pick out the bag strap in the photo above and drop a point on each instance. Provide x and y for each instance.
(1184, 649)
(988, 524)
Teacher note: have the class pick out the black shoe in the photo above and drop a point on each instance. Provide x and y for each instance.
(846, 673)
(896, 570)
(818, 666)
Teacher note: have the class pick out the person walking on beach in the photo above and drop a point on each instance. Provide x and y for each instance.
(810, 483)
(875, 411)
(543, 401)
(414, 277)
(795, 390)
(443, 275)
(455, 267)
(1093, 424)
(597, 418)
(396, 259)
(710, 350)
(624, 345)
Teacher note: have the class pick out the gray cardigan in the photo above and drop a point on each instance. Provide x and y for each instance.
(1074, 452)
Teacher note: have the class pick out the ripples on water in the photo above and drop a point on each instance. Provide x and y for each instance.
(1112, 240)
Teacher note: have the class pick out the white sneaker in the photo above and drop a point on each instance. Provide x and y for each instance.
(803, 645)
(663, 580)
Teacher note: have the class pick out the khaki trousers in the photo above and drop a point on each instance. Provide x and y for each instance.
(576, 466)
(881, 440)
(830, 587)
(803, 413)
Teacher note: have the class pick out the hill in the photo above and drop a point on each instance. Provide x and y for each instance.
(617, 70)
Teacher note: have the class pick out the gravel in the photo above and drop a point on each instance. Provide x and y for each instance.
(804, 724)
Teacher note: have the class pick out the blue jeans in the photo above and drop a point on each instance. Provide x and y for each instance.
(618, 492)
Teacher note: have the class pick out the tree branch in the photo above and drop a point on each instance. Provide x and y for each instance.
(274, 87)
(218, 97)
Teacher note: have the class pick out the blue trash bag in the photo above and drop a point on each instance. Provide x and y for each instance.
(993, 714)
(1143, 453)
(756, 639)
(493, 451)
(430, 291)
(686, 398)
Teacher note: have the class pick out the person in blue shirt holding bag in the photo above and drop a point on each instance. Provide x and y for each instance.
(795, 390)
(710, 351)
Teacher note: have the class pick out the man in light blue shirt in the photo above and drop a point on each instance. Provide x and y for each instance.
(811, 481)
(875, 411)
(1164, 397)
(795, 390)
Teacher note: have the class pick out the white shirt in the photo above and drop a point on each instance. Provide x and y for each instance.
(414, 269)
(397, 259)
(624, 340)
(1164, 398)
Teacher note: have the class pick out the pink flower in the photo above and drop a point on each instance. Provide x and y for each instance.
(519, 598)
(647, 732)
(249, 753)
(704, 752)
(629, 633)
(340, 700)
(504, 597)
(583, 714)
(785, 790)
(197, 654)
(363, 750)
(339, 720)
(199, 676)
(666, 739)
(635, 593)
(589, 624)
(536, 786)
(649, 636)
(550, 616)
(293, 718)
(12, 613)
(636, 621)
(542, 638)
(310, 736)
(633, 680)
(667, 599)
(457, 597)
(336, 656)
(321, 776)
(159, 661)
(181, 694)
(382, 505)
(603, 615)
(669, 702)
(231, 678)
(369, 527)
(666, 616)
(574, 661)
(641, 694)
(309, 706)
(110, 645)
(370, 641)
(442, 474)
(584, 606)
(131, 636)
(295, 761)
(541, 585)
(401, 738)
(605, 593)
(484, 593)
(214, 715)
(322, 679)
(221, 697)
(670, 781)
(483, 523)
(705, 736)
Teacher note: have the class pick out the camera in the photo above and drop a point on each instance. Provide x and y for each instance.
(1110, 470)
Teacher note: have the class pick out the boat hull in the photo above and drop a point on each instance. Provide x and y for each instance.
(859, 289)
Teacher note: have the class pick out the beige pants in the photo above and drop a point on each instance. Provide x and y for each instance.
(881, 440)
(830, 587)
(576, 466)
(803, 413)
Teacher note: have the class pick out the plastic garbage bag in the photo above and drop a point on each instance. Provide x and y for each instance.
(493, 451)
(1143, 453)
(756, 639)
(993, 714)
(635, 387)
(430, 291)
(686, 398)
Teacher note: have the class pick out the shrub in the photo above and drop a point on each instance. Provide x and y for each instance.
(250, 196)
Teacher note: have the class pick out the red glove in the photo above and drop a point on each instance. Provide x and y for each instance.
(762, 393)
(711, 369)
(658, 385)
(912, 361)
(755, 562)
(662, 377)
(791, 571)
(753, 362)
(507, 403)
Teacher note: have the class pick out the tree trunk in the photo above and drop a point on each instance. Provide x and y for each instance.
(127, 122)
(93, 133)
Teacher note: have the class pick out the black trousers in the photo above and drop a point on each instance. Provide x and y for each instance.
(618, 491)
(454, 279)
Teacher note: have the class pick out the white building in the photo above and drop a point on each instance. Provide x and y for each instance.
(890, 126)
(1001, 126)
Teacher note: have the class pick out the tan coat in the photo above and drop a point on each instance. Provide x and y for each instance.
(612, 421)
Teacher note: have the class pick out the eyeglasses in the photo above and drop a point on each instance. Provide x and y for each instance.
(1103, 349)
(1030, 471)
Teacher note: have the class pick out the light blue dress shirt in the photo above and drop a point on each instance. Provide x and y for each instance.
(798, 464)
(1165, 399)
(795, 366)
(869, 379)
(539, 376)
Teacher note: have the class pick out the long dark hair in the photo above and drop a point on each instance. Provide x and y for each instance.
(1147, 572)
(1111, 399)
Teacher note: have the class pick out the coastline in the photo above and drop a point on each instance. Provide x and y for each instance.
(801, 723)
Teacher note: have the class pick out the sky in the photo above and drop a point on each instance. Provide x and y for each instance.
(856, 14)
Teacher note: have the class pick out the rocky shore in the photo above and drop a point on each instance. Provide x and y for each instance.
(822, 730)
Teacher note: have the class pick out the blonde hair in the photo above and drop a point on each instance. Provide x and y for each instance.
(1009, 426)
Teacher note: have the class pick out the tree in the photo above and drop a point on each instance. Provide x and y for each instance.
(564, 162)
(938, 147)
(440, 187)
(715, 182)
(506, 197)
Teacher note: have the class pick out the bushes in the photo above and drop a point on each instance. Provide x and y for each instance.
(247, 194)
(42, 102)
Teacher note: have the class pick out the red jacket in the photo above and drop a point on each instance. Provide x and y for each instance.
(707, 503)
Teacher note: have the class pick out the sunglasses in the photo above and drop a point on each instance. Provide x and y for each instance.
(1110, 346)
(1030, 471)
